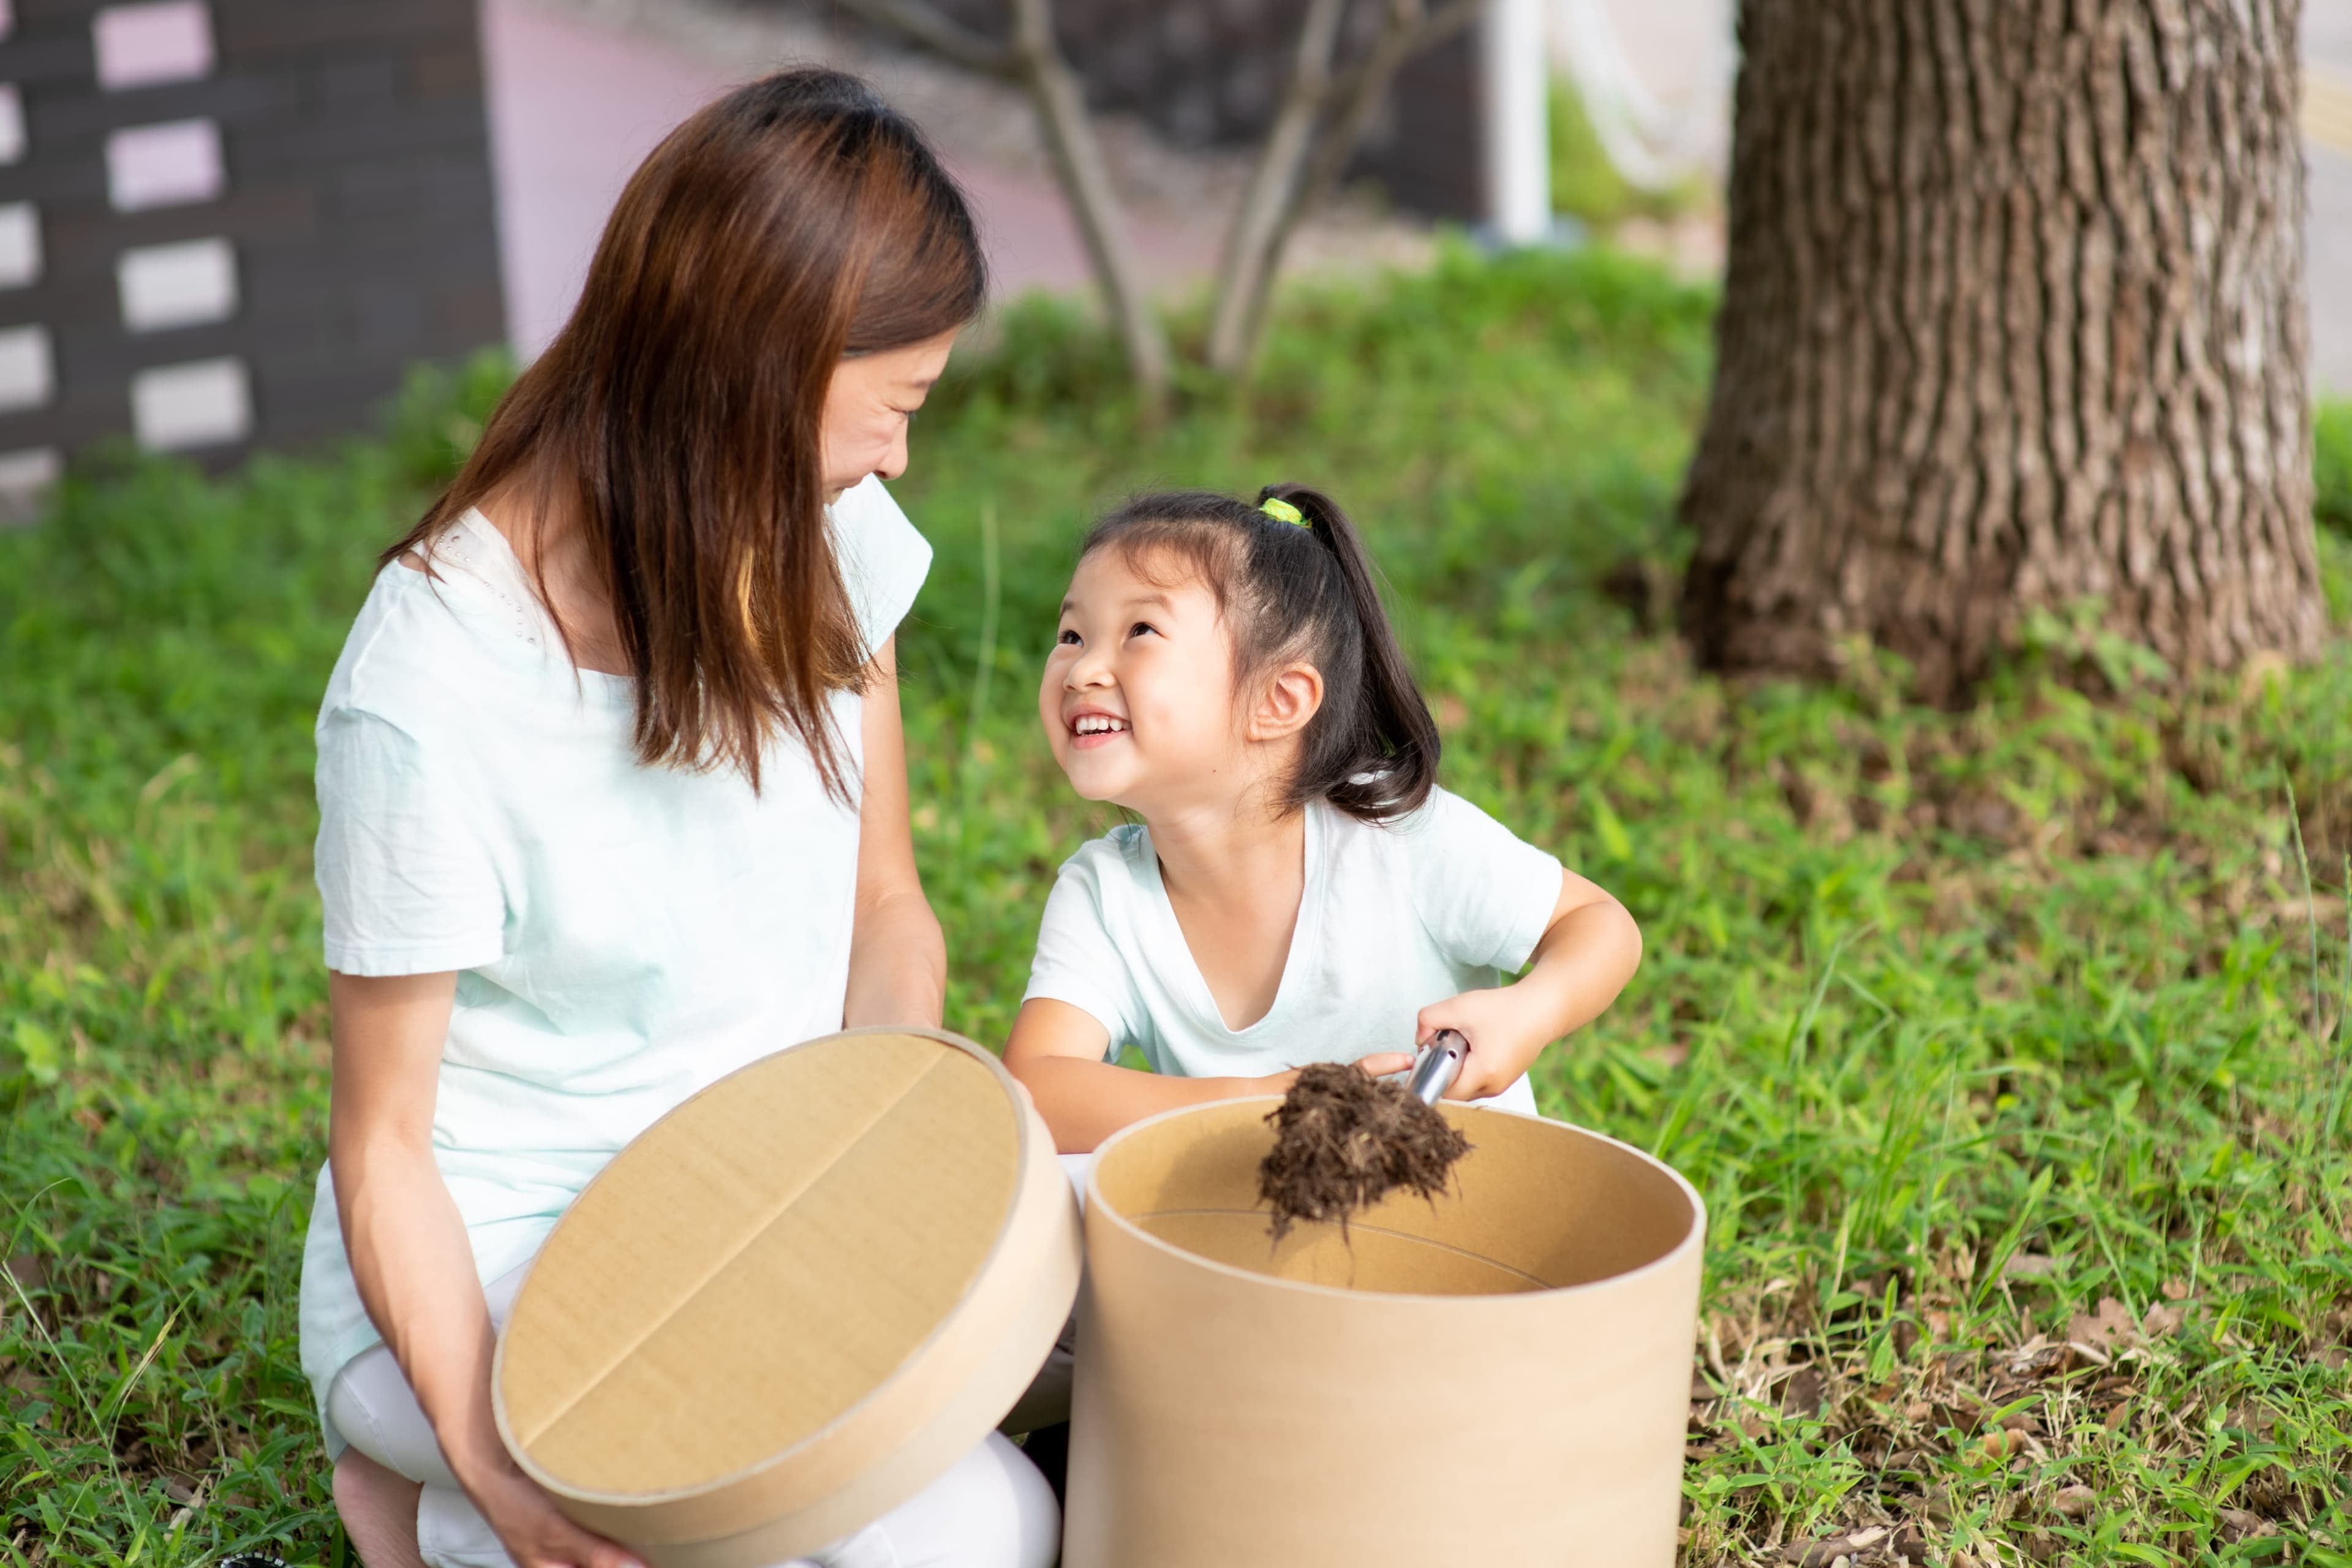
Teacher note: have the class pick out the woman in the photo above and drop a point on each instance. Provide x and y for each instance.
(612, 794)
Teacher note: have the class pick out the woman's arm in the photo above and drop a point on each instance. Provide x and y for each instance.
(1587, 954)
(897, 960)
(1056, 1052)
(410, 1257)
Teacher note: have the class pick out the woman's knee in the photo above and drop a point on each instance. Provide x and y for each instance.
(993, 1509)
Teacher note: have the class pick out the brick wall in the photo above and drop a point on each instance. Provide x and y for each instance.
(313, 213)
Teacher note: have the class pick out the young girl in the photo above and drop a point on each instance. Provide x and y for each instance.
(1300, 888)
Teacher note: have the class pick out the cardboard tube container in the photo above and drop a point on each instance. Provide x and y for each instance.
(1501, 1376)
(793, 1302)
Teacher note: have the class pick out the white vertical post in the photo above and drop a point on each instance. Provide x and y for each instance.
(1517, 74)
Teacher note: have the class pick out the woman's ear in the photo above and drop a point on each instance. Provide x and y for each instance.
(1290, 700)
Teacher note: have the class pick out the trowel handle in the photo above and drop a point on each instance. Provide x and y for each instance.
(1437, 1066)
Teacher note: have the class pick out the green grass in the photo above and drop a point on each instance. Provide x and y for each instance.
(1964, 1023)
(2332, 465)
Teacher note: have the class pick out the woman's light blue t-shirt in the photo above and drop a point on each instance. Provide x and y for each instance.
(623, 935)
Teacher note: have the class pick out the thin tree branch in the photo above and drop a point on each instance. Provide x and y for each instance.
(1094, 202)
(941, 34)
(1273, 188)
(1358, 92)
(1033, 59)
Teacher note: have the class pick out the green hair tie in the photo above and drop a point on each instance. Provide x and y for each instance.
(1282, 510)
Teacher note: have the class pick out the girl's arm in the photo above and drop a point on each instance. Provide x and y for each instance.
(410, 1257)
(1587, 954)
(898, 961)
(1056, 1052)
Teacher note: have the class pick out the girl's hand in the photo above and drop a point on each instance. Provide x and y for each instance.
(1503, 1039)
(534, 1532)
(1379, 1063)
(1587, 953)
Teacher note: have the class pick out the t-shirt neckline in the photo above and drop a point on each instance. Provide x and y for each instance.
(1306, 932)
(500, 569)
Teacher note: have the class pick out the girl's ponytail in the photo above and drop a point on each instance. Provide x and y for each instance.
(1291, 575)
(1377, 760)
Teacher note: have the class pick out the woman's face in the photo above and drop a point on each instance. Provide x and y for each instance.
(867, 408)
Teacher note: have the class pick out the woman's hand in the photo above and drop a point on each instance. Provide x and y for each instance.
(534, 1532)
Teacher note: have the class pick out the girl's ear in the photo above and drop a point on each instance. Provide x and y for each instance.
(1292, 698)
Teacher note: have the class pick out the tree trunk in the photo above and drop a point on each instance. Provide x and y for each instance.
(2013, 318)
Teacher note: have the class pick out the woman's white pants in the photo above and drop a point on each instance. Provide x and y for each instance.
(993, 1509)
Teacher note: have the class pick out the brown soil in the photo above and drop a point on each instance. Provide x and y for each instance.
(1343, 1141)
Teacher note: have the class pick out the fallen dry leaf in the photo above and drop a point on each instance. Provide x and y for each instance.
(2002, 1441)
(2162, 1320)
(2028, 1265)
(2237, 1524)
(2073, 1502)
(1801, 1395)
(1832, 1550)
(2109, 1330)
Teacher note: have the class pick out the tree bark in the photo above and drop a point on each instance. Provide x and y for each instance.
(2013, 318)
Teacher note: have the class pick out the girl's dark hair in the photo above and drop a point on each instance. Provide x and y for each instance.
(1301, 590)
(678, 415)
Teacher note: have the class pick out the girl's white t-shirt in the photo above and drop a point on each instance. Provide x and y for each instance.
(1391, 919)
(623, 935)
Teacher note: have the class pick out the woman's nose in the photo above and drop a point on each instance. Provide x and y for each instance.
(894, 461)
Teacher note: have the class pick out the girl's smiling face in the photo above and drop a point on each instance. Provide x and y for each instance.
(1138, 700)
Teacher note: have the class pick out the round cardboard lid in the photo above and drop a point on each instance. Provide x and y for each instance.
(758, 1263)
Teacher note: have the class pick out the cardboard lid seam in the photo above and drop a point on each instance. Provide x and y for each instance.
(776, 1209)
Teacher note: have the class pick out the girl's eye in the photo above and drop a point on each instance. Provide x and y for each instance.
(1141, 627)
(1067, 639)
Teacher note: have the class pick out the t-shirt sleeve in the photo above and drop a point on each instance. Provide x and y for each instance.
(1079, 961)
(1484, 895)
(406, 882)
(883, 559)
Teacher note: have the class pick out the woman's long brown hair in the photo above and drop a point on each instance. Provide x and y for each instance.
(677, 416)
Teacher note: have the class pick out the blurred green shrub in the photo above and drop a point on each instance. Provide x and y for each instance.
(2331, 464)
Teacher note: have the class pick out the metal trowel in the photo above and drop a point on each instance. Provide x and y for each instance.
(1436, 1066)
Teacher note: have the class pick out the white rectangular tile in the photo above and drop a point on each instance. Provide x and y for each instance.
(20, 244)
(28, 375)
(12, 123)
(165, 165)
(164, 40)
(201, 403)
(182, 284)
